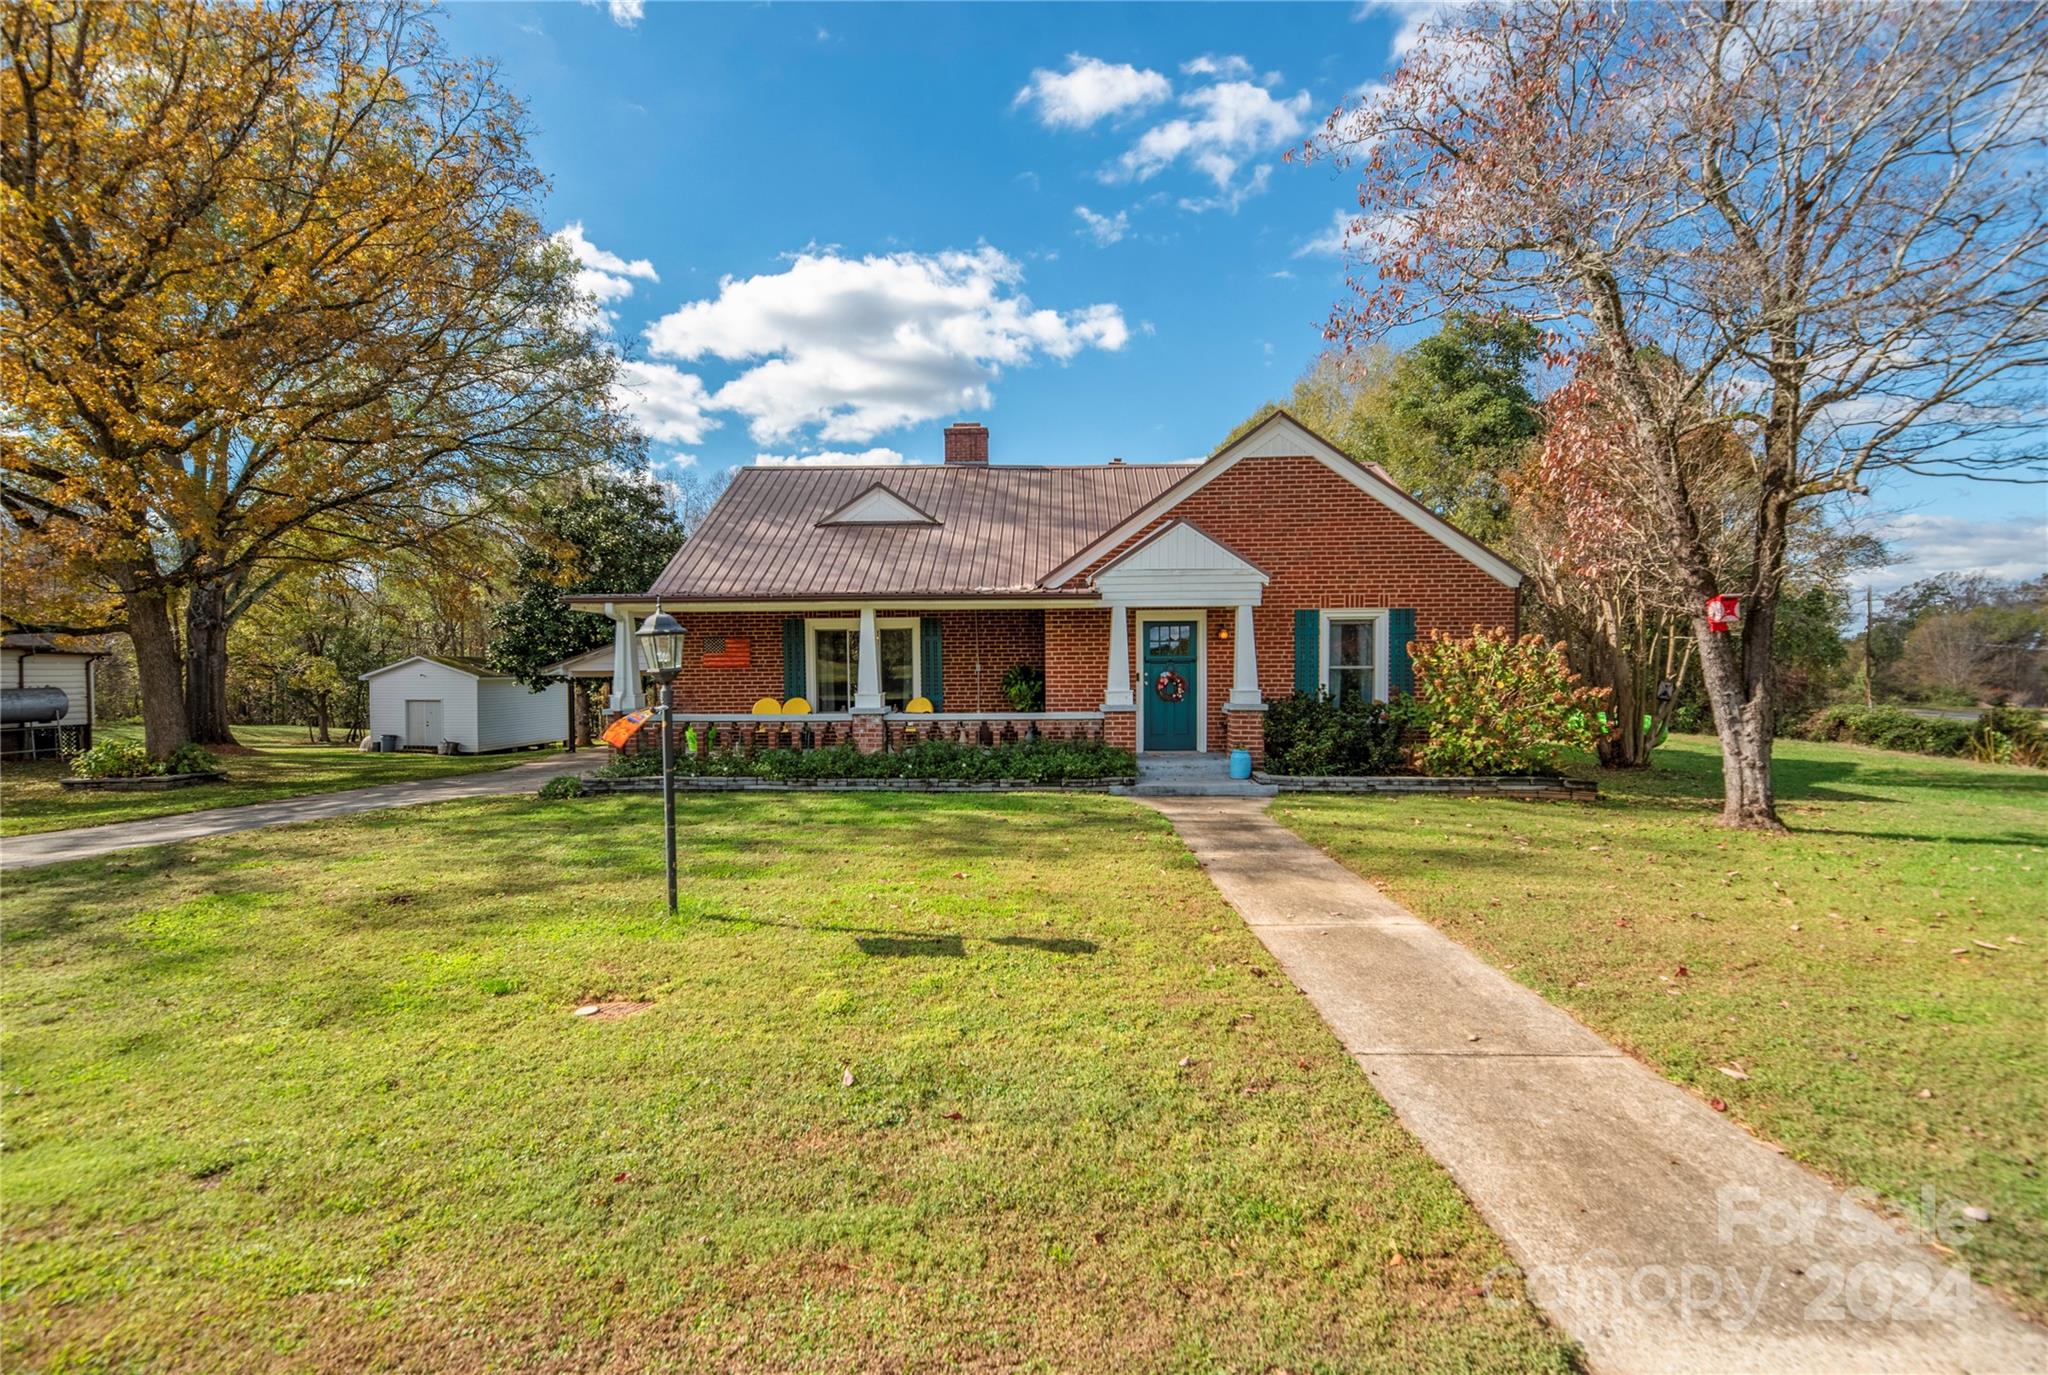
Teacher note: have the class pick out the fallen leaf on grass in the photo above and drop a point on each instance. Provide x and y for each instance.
(1732, 1071)
(846, 1078)
(1717, 1105)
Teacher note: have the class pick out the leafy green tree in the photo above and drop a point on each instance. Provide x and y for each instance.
(611, 532)
(1458, 417)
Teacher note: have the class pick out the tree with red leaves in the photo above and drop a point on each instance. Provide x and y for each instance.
(1831, 212)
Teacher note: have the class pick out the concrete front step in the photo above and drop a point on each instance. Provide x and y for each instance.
(1192, 775)
(1229, 787)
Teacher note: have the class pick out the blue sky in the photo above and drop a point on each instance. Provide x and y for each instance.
(833, 228)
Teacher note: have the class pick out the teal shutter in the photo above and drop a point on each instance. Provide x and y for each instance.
(1400, 670)
(1308, 632)
(931, 669)
(793, 658)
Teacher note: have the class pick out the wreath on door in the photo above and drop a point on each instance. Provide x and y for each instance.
(1170, 686)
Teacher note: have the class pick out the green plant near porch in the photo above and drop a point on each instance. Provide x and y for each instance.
(1496, 703)
(1311, 733)
(1024, 687)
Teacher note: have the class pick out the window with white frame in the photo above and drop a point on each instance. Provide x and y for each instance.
(1354, 655)
(835, 663)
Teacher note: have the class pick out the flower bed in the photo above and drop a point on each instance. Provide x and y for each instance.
(125, 766)
(1058, 763)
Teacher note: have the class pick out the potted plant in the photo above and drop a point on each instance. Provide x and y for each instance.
(1024, 686)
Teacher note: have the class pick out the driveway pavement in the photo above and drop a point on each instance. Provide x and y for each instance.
(1656, 1233)
(57, 847)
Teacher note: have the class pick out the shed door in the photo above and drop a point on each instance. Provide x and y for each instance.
(422, 723)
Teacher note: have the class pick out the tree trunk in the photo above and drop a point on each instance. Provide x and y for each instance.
(322, 716)
(580, 694)
(157, 672)
(206, 664)
(1624, 746)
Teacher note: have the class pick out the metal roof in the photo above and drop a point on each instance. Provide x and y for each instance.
(998, 528)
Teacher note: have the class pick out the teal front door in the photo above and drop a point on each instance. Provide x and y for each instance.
(1169, 685)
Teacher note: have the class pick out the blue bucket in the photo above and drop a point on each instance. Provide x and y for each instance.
(1240, 763)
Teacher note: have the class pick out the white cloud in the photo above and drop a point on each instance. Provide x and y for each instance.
(625, 13)
(1329, 243)
(854, 347)
(1413, 16)
(1090, 90)
(1209, 64)
(1104, 229)
(603, 277)
(1346, 232)
(668, 404)
(832, 458)
(2011, 549)
(1228, 123)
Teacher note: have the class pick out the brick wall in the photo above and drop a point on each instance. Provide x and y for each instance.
(977, 649)
(1323, 543)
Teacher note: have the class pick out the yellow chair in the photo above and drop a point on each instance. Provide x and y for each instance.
(767, 706)
(796, 706)
(920, 706)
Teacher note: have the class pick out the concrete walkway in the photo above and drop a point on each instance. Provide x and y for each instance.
(57, 847)
(1656, 1233)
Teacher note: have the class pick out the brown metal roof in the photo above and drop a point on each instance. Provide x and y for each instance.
(1000, 528)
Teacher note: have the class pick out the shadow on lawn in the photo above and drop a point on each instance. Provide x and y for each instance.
(893, 941)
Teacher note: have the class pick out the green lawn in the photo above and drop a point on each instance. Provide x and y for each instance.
(280, 764)
(1843, 968)
(922, 1083)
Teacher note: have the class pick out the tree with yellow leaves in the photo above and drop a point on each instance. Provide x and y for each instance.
(271, 287)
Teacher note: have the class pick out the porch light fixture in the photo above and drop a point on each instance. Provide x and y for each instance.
(663, 639)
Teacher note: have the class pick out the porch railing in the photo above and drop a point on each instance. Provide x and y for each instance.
(702, 732)
(990, 727)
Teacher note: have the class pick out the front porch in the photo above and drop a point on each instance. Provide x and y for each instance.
(1157, 678)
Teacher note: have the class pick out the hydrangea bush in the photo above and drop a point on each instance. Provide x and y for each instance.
(1500, 704)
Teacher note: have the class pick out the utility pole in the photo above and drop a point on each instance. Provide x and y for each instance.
(1866, 645)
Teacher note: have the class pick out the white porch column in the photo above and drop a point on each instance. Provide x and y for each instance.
(625, 665)
(1116, 691)
(867, 690)
(1244, 676)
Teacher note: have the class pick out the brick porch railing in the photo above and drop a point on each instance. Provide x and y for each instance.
(702, 731)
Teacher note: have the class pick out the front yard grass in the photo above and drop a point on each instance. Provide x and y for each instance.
(1880, 975)
(280, 764)
(920, 1083)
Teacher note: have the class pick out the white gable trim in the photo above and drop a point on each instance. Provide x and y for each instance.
(429, 659)
(1179, 565)
(1280, 435)
(878, 506)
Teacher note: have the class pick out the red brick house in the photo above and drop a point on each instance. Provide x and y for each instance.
(1163, 602)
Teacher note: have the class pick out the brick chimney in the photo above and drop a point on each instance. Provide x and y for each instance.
(966, 443)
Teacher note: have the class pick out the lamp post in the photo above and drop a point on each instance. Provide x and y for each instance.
(664, 641)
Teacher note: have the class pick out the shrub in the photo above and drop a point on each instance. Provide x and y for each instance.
(1885, 728)
(2003, 735)
(128, 759)
(1310, 733)
(189, 758)
(1499, 704)
(1043, 761)
(1024, 687)
(114, 759)
(557, 789)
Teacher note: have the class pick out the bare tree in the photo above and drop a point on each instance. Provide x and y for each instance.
(1834, 210)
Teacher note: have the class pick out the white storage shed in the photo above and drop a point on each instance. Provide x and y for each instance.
(432, 698)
